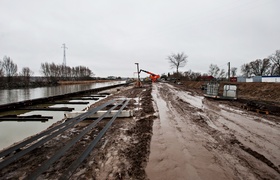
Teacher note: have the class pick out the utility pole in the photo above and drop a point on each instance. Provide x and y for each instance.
(229, 71)
(64, 54)
(138, 82)
(137, 64)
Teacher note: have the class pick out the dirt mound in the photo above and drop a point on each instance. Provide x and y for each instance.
(260, 91)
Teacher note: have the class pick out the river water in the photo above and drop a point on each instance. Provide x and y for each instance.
(11, 132)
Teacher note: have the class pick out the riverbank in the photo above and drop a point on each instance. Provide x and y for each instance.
(82, 82)
(22, 83)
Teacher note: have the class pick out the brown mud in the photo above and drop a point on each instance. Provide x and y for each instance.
(175, 134)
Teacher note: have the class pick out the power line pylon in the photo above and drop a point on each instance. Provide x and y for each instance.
(64, 54)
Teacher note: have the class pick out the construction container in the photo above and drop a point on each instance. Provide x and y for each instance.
(212, 89)
(230, 91)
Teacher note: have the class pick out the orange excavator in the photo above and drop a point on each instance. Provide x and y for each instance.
(153, 76)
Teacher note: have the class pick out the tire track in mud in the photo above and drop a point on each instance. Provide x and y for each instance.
(258, 143)
(191, 154)
(230, 145)
(247, 149)
(250, 132)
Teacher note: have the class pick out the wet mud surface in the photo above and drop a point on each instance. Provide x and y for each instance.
(175, 133)
(201, 138)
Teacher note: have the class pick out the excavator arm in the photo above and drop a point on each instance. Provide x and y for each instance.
(153, 76)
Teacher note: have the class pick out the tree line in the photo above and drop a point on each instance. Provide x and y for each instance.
(57, 71)
(11, 77)
(269, 66)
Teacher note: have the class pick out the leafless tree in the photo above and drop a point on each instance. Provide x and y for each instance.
(246, 70)
(213, 70)
(233, 71)
(54, 71)
(45, 69)
(216, 72)
(177, 60)
(275, 59)
(26, 72)
(1, 69)
(10, 68)
(260, 67)
(190, 75)
(222, 74)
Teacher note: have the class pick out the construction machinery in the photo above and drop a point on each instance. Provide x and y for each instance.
(153, 76)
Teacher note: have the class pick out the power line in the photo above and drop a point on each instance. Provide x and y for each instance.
(64, 54)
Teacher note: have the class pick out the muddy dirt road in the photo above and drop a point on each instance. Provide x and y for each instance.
(196, 138)
(174, 134)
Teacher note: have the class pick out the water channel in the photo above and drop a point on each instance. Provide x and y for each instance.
(13, 131)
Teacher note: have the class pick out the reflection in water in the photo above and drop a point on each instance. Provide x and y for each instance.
(16, 95)
(11, 132)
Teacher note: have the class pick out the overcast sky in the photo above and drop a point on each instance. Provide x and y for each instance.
(110, 36)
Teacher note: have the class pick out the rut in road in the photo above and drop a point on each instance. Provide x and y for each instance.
(193, 139)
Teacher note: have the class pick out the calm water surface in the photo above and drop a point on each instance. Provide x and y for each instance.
(15, 95)
(11, 132)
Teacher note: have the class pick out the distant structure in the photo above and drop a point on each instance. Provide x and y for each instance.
(64, 54)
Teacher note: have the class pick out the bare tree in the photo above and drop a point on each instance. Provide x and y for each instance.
(10, 68)
(177, 60)
(274, 70)
(214, 70)
(246, 70)
(54, 71)
(233, 71)
(190, 75)
(222, 74)
(260, 67)
(275, 59)
(1, 69)
(26, 72)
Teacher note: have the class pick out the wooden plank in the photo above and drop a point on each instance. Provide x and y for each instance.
(66, 102)
(48, 108)
(84, 98)
(95, 96)
(25, 118)
(124, 113)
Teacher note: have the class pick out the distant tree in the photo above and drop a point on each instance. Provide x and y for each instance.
(10, 68)
(45, 69)
(213, 70)
(273, 70)
(260, 67)
(216, 72)
(1, 69)
(26, 72)
(177, 60)
(246, 70)
(55, 72)
(192, 76)
(233, 71)
(275, 59)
